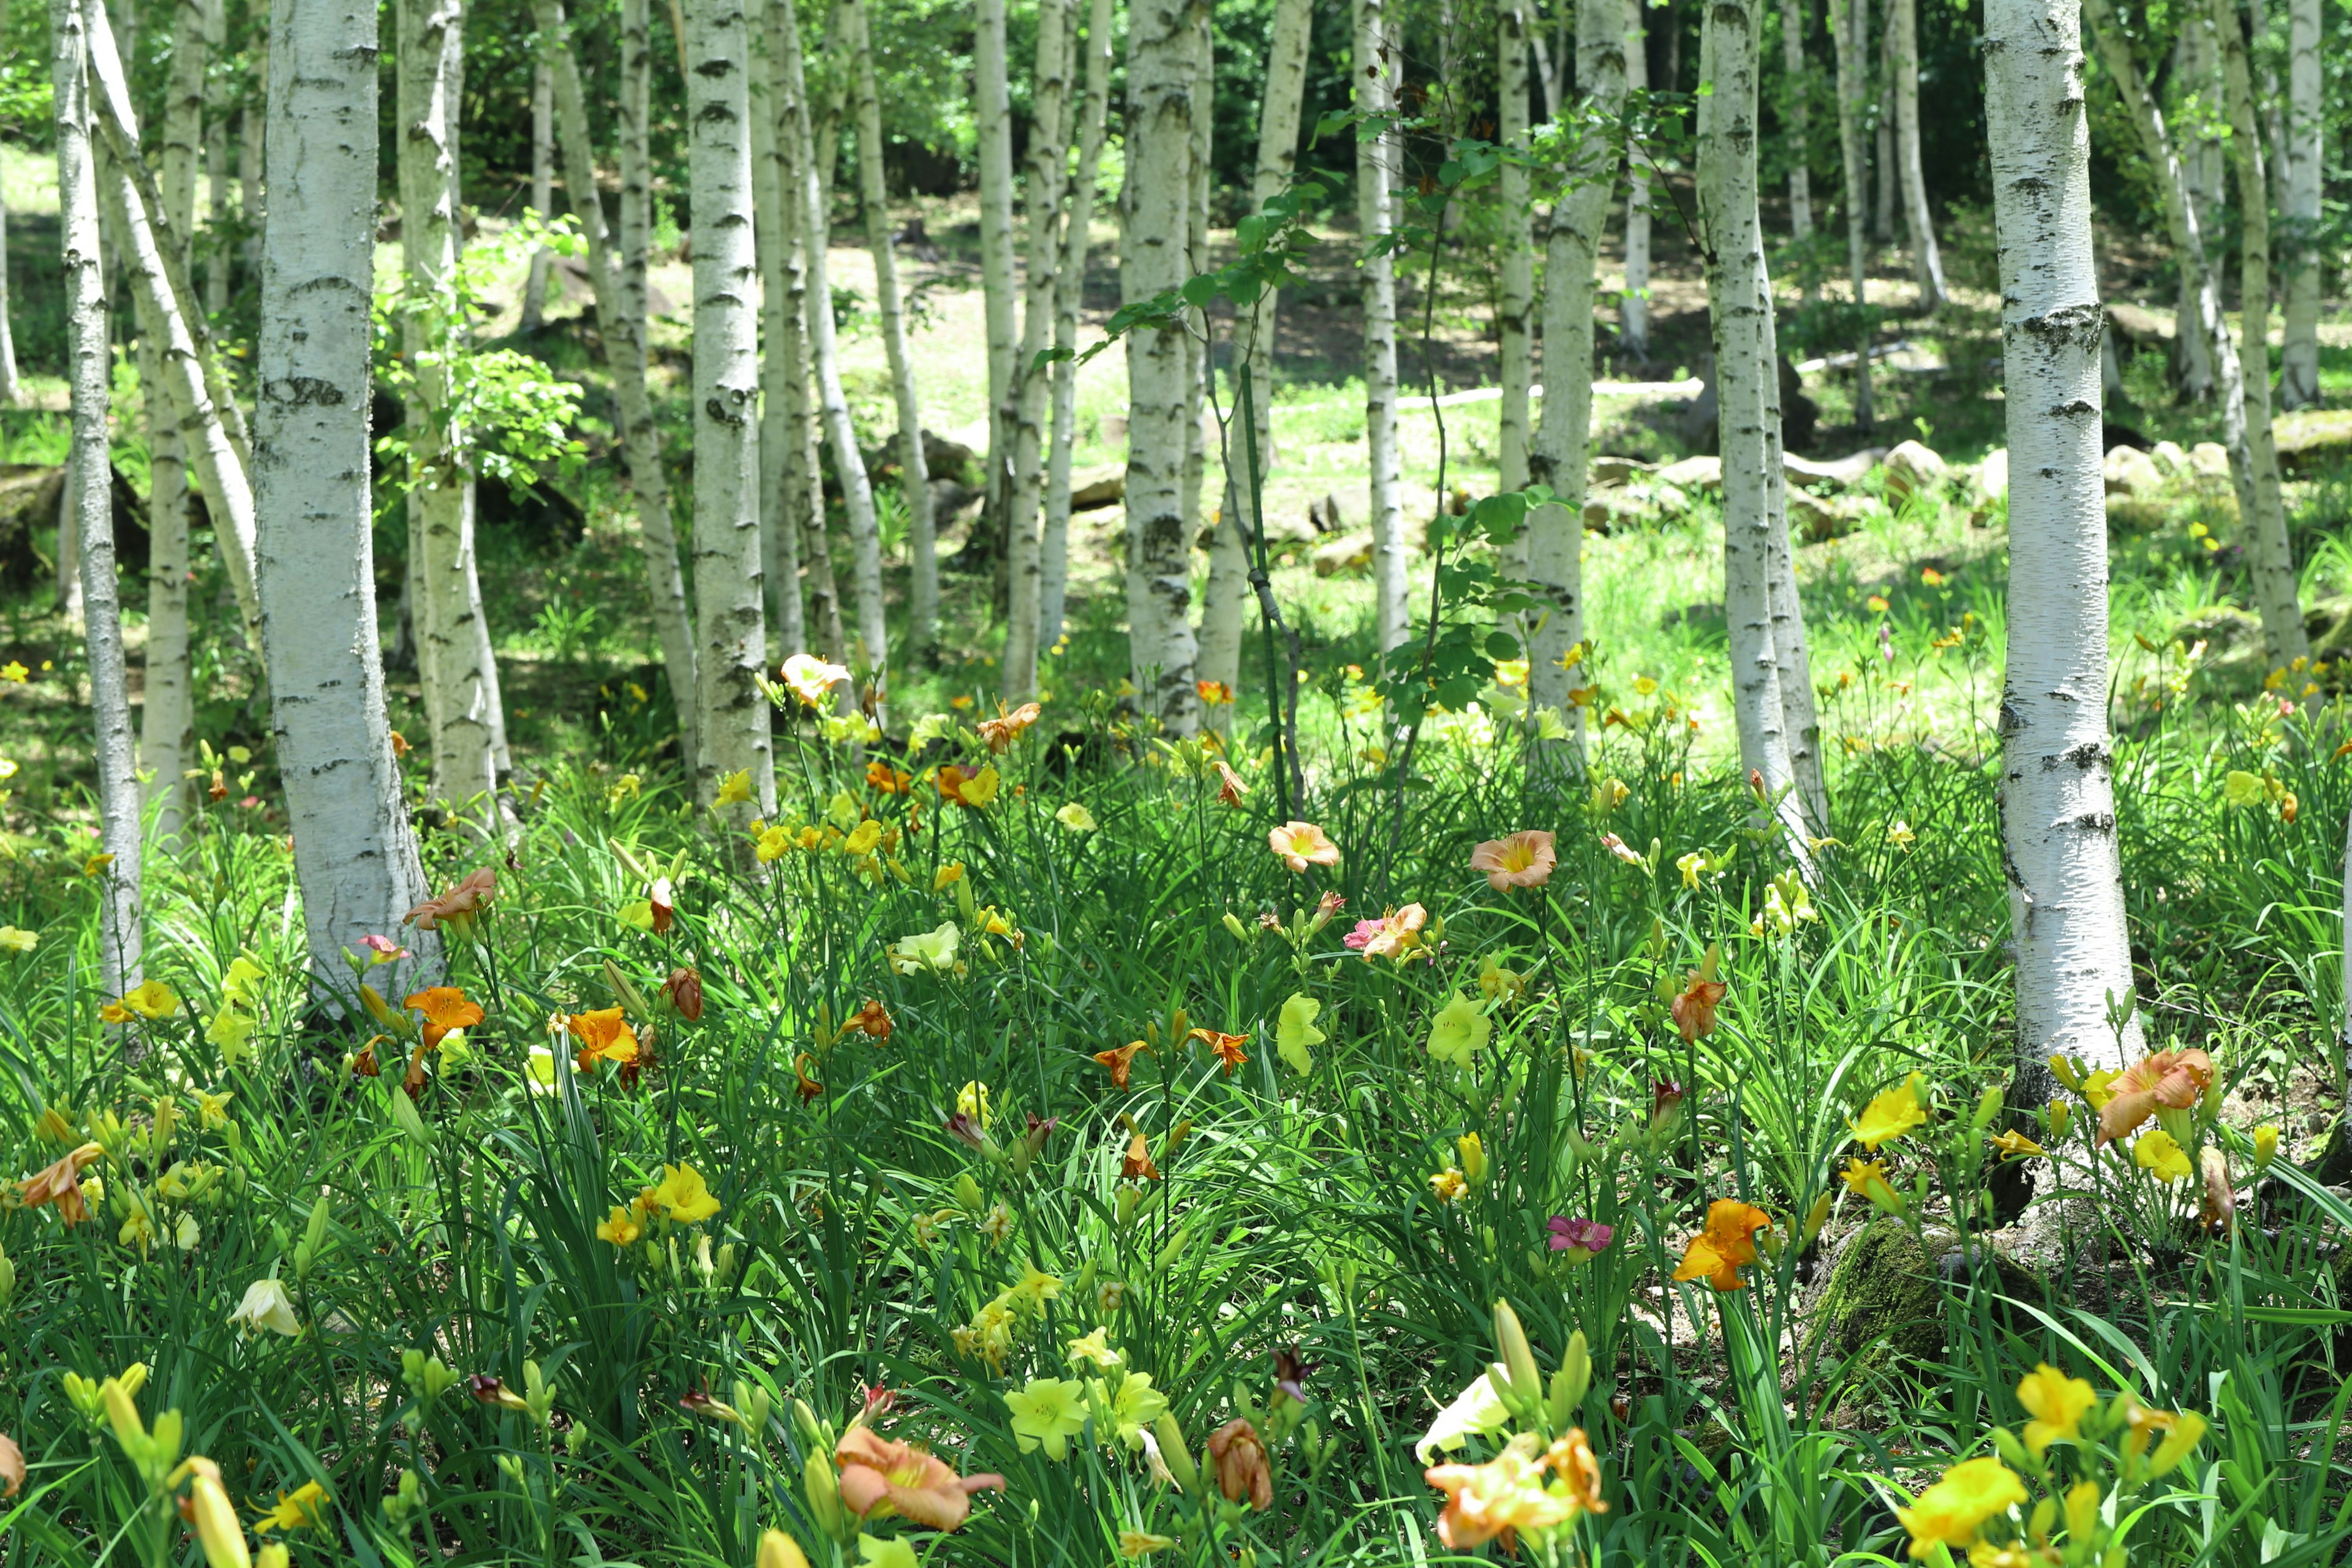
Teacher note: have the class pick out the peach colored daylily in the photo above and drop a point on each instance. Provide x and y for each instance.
(1498, 1499)
(1230, 787)
(1000, 732)
(460, 903)
(1694, 1007)
(61, 1183)
(1120, 1059)
(1393, 935)
(1238, 1457)
(2172, 1080)
(1300, 845)
(879, 1478)
(1517, 860)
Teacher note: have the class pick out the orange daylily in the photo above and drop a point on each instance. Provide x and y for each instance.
(446, 1007)
(61, 1183)
(2173, 1079)
(884, 779)
(1694, 1006)
(879, 1478)
(1238, 1456)
(601, 1036)
(1000, 732)
(460, 904)
(872, 1020)
(1121, 1061)
(1517, 860)
(1717, 1254)
(809, 1088)
(1138, 1165)
(1228, 1047)
(1230, 787)
(1215, 693)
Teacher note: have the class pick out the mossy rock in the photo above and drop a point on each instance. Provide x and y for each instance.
(1884, 1299)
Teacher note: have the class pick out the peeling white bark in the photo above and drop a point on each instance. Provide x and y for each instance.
(772, 238)
(2058, 813)
(1516, 302)
(1377, 61)
(1053, 566)
(1800, 176)
(1049, 159)
(2305, 127)
(992, 115)
(1849, 30)
(1633, 308)
(542, 189)
(1926, 259)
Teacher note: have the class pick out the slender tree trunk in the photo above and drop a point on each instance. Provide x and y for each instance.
(11, 391)
(2197, 73)
(1849, 25)
(1516, 302)
(1196, 341)
(542, 189)
(2058, 808)
(635, 213)
(183, 124)
(621, 331)
(802, 489)
(1799, 102)
(1633, 309)
(992, 115)
(1225, 610)
(732, 713)
(218, 204)
(914, 474)
(873, 650)
(780, 526)
(2306, 126)
(355, 855)
(1889, 190)
(89, 365)
(1739, 302)
(1049, 160)
(1376, 177)
(1555, 551)
(1070, 294)
(252, 157)
(1926, 259)
(2274, 554)
(461, 690)
(1163, 96)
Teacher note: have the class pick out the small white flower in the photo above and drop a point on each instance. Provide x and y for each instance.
(266, 1306)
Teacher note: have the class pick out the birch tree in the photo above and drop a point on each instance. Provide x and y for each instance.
(1049, 160)
(620, 311)
(2299, 380)
(732, 713)
(542, 189)
(772, 238)
(1225, 610)
(355, 857)
(993, 116)
(1069, 292)
(1163, 96)
(1633, 308)
(1902, 22)
(11, 389)
(1739, 305)
(455, 662)
(1849, 32)
(1515, 303)
(1563, 436)
(1800, 176)
(218, 201)
(91, 493)
(2057, 797)
(914, 472)
(2272, 555)
(1376, 176)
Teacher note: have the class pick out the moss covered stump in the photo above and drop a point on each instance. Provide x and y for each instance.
(1883, 1299)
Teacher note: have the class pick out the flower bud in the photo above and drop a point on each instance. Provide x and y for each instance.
(778, 1550)
(217, 1528)
(1569, 1383)
(1233, 924)
(823, 1490)
(1518, 1356)
(1175, 1456)
(2059, 1115)
(2013, 1452)
(2266, 1142)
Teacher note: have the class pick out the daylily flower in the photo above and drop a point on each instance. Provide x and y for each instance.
(1046, 1413)
(1138, 1165)
(930, 953)
(872, 1020)
(681, 1193)
(266, 1305)
(972, 1100)
(1000, 732)
(1230, 787)
(1238, 1457)
(1579, 1239)
(61, 1183)
(1694, 1006)
(884, 779)
(1132, 1409)
(1120, 1059)
(1227, 1049)
(1478, 1408)
(1300, 845)
(1717, 1253)
(1502, 1497)
(1077, 818)
(619, 1228)
(2171, 1080)
(150, 999)
(1619, 847)
(2012, 1145)
(879, 1478)
(1459, 1032)
(1868, 1178)
(2057, 1403)
(1497, 984)
(683, 989)
(812, 678)
(2183, 1428)
(1449, 1186)
(1295, 1034)
(970, 790)
(1395, 935)
(1517, 860)
(444, 1008)
(1896, 1113)
(1094, 1350)
(382, 950)
(458, 906)
(807, 1085)
(300, 1508)
(735, 789)
(1956, 1507)
(2156, 1153)
(1142, 1542)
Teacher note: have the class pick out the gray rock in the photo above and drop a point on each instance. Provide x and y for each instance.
(1913, 467)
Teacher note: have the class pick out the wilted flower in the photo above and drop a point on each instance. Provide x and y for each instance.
(683, 989)
(1000, 732)
(266, 1306)
(1694, 1006)
(1300, 845)
(2172, 1080)
(872, 1020)
(1230, 787)
(61, 1183)
(459, 905)
(1120, 1059)
(1522, 859)
(1227, 1049)
(1239, 1460)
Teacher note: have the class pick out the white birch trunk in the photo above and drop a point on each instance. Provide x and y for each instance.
(992, 115)
(1740, 304)
(183, 124)
(1633, 309)
(450, 631)
(252, 158)
(2272, 555)
(1049, 161)
(803, 491)
(772, 238)
(622, 329)
(1889, 190)
(1926, 259)
(1163, 96)
(167, 711)
(914, 474)
(1555, 548)
(1069, 292)
(2305, 129)
(1800, 176)
(2058, 811)
(218, 205)
(1516, 302)
(89, 364)
(542, 189)
(355, 855)
(872, 652)
(1376, 174)
(731, 714)
(1849, 25)
(11, 390)
(1196, 354)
